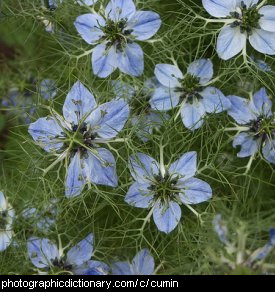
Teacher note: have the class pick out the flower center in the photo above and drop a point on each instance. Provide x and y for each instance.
(247, 18)
(164, 187)
(189, 88)
(3, 219)
(61, 264)
(263, 127)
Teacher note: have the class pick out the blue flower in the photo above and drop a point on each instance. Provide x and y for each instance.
(221, 229)
(243, 20)
(260, 64)
(191, 91)
(77, 137)
(257, 118)
(7, 215)
(48, 89)
(46, 255)
(114, 34)
(142, 264)
(163, 189)
(144, 119)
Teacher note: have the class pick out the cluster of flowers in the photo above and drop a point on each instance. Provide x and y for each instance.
(79, 136)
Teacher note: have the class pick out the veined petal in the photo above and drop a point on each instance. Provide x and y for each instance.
(168, 75)
(143, 263)
(202, 68)
(78, 103)
(263, 41)
(42, 252)
(186, 166)
(219, 8)
(5, 239)
(139, 195)
(130, 59)
(164, 98)
(214, 101)
(192, 115)
(267, 21)
(230, 42)
(120, 9)
(121, 268)
(166, 216)
(144, 24)
(89, 27)
(92, 268)
(143, 168)
(104, 60)
(269, 151)
(81, 252)
(249, 145)
(46, 131)
(262, 102)
(194, 191)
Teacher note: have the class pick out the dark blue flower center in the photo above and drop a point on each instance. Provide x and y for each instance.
(248, 19)
(3, 219)
(61, 264)
(263, 127)
(190, 86)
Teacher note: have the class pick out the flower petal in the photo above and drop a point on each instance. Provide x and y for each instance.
(130, 59)
(214, 101)
(249, 145)
(109, 118)
(45, 132)
(219, 8)
(267, 21)
(121, 268)
(5, 239)
(263, 41)
(101, 169)
(262, 102)
(164, 98)
(120, 9)
(92, 268)
(42, 252)
(144, 24)
(88, 26)
(78, 103)
(269, 151)
(143, 167)
(143, 263)
(241, 110)
(81, 252)
(192, 115)
(75, 181)
(139, 195)
(48, 88)
(186, 166)
(202, 68)
(3, 202)
(166, 216)
(230, 42)
(168, 75)
(194, 191)
(104, 60)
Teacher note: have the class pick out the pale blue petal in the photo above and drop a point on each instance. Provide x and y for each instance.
(81, 252)
(249, 145)
(219, 8)
(42, 252)
(202, 68)
(143, 168)
(262, 102)
(104, 60)
(248, 3)
(168, 75)
(102, 168)
(267, 21)
(120, 9)
(139, 195)
(214, 100)
(88, 26)
(130, 59)
(241, 110)
(166, 216)
(186, 166)
(164, 98)
(143, 263)
(192, 115)
(151, 84)
(5, 239)
(45, 132)
(78, 103)
(92, 268)
(144, 24)
(220, 228)
(263, 41)
(75, 181)
(269, 151)
(121, 268)
(109, 118)
(194, 191)
(230, 42)
(123, 90)
(3, 202)
(48, 88)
